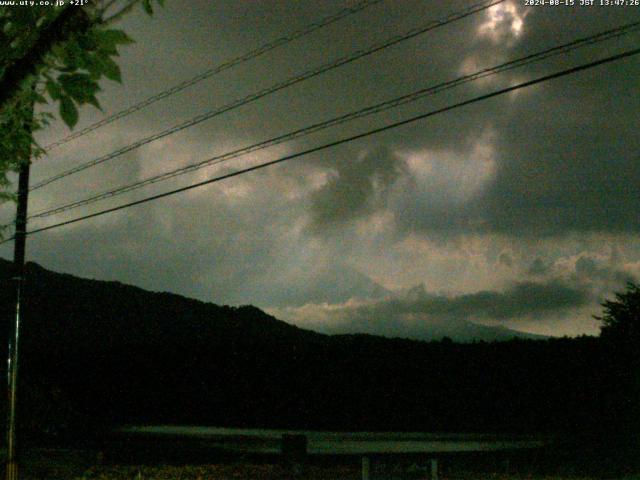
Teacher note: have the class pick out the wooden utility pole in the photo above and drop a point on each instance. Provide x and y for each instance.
(17, 278)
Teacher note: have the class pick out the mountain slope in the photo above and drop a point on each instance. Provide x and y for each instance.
(100, 353)
(109, 312)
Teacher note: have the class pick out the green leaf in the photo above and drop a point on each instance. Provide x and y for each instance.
(161, 3)
(108, 50)
(111, 69)
(80, 86)
(88, 41)
(111, 38)
(94, 101)
(91, 63)
(72, 53)
(54, 90)
(146, 4)
(68, 111)
(39, 98)
(57, 50)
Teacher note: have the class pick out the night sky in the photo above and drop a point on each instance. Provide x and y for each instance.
(519, 211)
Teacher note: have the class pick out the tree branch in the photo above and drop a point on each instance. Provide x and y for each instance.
(71, 21)
(116, 16)
(108, 5)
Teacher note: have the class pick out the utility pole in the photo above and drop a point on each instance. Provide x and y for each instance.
(17, 278)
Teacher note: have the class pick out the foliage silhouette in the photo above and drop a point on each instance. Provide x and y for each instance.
(621, 318)
(620, 334)
(60, 52)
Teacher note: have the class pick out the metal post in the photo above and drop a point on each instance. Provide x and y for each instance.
(434, 469)
(366, 468)
(18, 281)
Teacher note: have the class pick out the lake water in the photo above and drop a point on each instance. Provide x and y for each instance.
(352, 443)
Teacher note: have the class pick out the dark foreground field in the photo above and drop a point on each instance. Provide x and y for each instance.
(276, 472)
(75, 464)
(273, 472)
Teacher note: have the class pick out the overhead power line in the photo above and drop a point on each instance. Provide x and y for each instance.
(275, 88)
(261, 50)
(341, 141)
(370, 110)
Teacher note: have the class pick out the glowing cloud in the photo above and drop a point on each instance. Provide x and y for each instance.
(502, 21)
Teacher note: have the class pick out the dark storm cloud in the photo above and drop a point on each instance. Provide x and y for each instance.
(538, 267)
(559, 169)
(564, 161)
(216, 246)
(505, 259)
(592, 269)
(600, 276)
(357, 188)
(529, 299)
(574, 173)
(603, 277)
(419, 314)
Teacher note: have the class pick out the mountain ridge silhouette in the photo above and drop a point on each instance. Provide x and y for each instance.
(98, 354)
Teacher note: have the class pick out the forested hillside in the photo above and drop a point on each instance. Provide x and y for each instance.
(97, 354)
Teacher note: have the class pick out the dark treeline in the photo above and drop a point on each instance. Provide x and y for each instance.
(97, 354)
